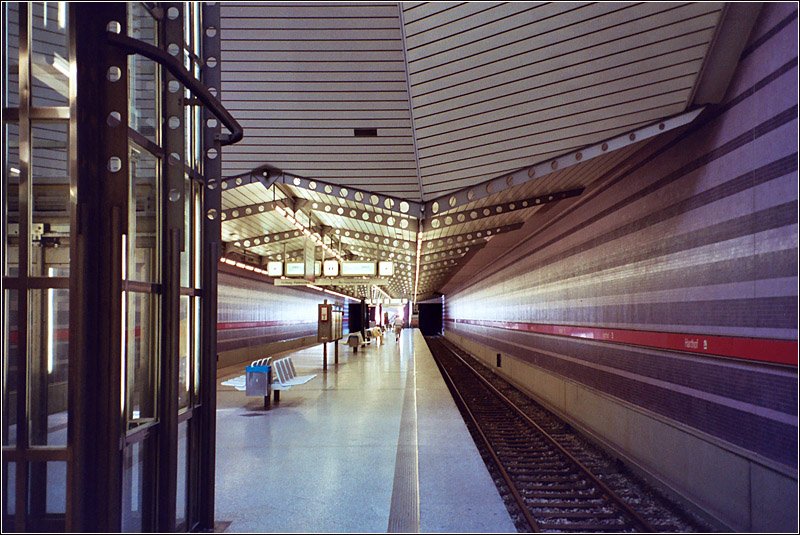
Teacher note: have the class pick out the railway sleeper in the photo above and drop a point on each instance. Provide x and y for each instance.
(540, 468)
(541, 493)
(538, 455)
(544, 485)
(583, 504)
(525, 479)
(576, 514)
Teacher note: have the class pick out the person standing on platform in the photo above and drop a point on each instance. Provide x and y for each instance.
(398, 327)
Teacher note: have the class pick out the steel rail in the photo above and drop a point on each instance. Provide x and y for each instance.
(647, 527)
(130, 46)
(507, 478)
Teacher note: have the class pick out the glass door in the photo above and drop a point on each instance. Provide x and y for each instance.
(38, 220)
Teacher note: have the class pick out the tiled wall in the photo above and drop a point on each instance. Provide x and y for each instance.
(698, 238)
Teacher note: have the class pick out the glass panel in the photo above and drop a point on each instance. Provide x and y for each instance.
(137, 486)
(197, 348)
(141, 24)
(49, 230)
(184, 363)
(11, 172)
(143, 219)
(48, 488)
(143, 76)
(49, 54)
(198, 236)
(142, 356)
(188, 241)
(10, 370)
(48, 366)
(9, 489)
(180, 502)
(11, 55)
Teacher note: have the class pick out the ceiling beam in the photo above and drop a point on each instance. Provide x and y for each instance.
(251, 209)
(404, 246)
(269, 239)
(482, 233)
(365, 216)
(266, 175)
(367, 198)
(476, 214)
(722, 58)
(479, 191)
(449, 253)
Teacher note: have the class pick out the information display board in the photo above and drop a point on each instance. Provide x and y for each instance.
(352, 269)
(274, 269)
(295, 269)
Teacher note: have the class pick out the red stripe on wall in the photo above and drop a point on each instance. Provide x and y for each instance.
(228, 325)
(760, 349)
(62, 335)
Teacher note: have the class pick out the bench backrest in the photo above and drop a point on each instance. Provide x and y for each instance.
(262, 362)
(285, 369)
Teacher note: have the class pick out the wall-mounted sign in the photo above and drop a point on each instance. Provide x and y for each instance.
(351, 269)
(330, 268)
(274, 269)
(385, 269)
(295, 269)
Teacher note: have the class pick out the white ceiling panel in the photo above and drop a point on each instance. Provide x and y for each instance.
(457, 93)
(494, 90)
(305, 77)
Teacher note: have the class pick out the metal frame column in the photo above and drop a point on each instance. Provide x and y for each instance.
(172, 138)
(97, 258)
(211, 217)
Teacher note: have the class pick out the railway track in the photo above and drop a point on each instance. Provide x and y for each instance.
(557, 485)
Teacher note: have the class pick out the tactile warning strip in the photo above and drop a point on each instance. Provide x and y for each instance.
(404, 511)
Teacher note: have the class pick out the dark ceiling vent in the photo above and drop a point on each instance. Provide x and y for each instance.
(365, 132)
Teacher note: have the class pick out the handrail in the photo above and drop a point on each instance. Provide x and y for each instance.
(135, 46)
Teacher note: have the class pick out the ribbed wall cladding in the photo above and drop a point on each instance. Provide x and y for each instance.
(699, 237)
(253, 312)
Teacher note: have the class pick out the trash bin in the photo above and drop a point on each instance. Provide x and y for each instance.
(257, 380)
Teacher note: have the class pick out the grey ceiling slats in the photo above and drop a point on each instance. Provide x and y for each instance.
(464, 92)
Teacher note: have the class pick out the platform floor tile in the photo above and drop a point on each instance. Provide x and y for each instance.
(374, 444)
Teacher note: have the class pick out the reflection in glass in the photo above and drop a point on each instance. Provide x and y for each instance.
(49, 54)
(11, 54)
(180, 501)
(48, 488)
(143, 219)
(143, 75)
(197, 348)
(197, 229)
(11, 174)
(184, 364)
(10, 370)
(137, 487)
(141, 24)
(50, 217)
(186, 251)
(142, 356)
(48, 366)
(9, 488)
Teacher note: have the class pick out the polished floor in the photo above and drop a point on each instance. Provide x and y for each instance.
(375, 444)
